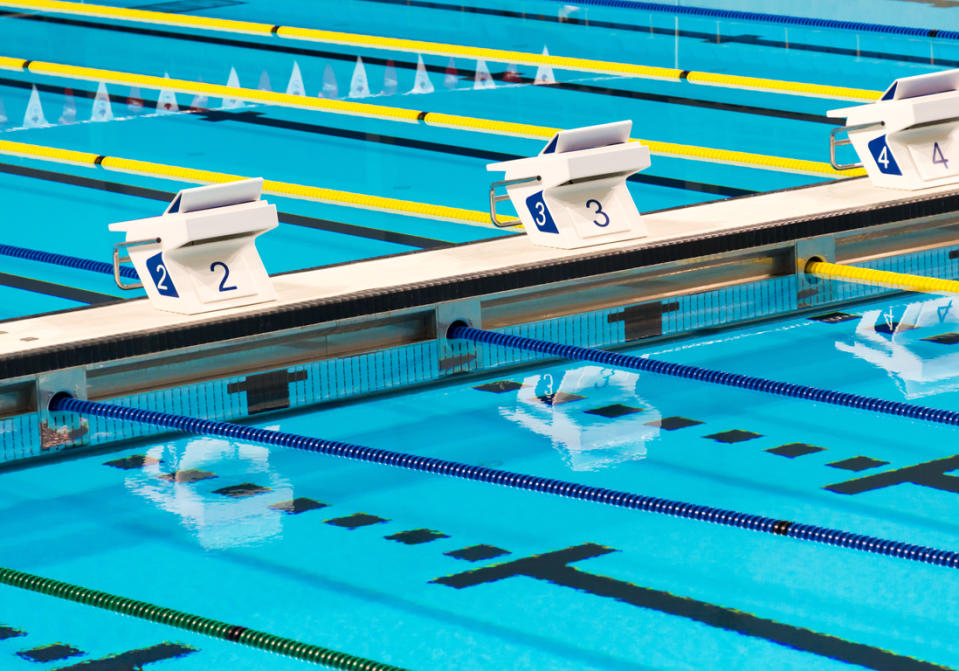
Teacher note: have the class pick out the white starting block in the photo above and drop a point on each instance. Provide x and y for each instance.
(909, 139)
(200, 255)
(574, 193)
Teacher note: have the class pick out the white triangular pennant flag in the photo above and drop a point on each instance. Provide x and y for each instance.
(330, 88)
(483, 79)
(390, 81)
(3, 113)
(264, 84)
(359, 86)
(69, 113)
(232, 81)
(102, 110)
(544, 73)
(34, 116)
(135, 101)
(452, 77)
(422, 83)
(166, 102)
(200, 102)
(295, 86)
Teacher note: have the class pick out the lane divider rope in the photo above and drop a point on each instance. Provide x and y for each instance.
(644, 364)
(195, 623)
(884, 278)
(65, 260)
(438, 119)
(270, 186)
(533, 483)
(441, 49)
(781, 19)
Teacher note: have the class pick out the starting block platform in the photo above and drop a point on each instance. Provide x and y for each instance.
(408, 298)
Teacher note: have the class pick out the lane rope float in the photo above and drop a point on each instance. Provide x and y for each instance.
(64, 260)
(533, 483)
(273, 187)
(438, 119)
(644, 364)
(446, 50)
(886, 278)
(195, 623)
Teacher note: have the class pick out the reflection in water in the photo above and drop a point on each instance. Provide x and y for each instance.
(217, 521)
(587, 442)
(889, 339)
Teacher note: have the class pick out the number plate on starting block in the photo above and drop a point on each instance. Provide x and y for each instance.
(938, 158)
(222, 279)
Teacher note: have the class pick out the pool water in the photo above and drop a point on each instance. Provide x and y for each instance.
(377, 561)
(68, 207)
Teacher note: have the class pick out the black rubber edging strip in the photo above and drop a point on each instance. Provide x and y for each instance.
(379, 301)
(406, 239)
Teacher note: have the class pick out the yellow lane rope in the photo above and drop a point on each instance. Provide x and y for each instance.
(451, 50)
(932, 285)
(270, 186)
(503, 128)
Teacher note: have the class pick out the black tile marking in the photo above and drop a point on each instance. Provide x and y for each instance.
(297, 505)
(477, 552)
(858, 464)
(954, 253)
(559, 397)
(270, 319)
(10, 632)
(267, 391)
(133, 461)
(416, 536)
(553, 568)
(734, 436)
(807, 293)
(615, 410)
(134, 660)
(499, 386)
(242, 490)
(928, 474)
(50, 653)
(456, 361)
(793, 450)
(188, 475)
(834, 317)
(893, 327)
(673, 423)
(58, 290)
(642, 321)
(951, 338)
(356, 520)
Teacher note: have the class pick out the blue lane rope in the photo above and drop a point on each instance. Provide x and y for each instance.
(644, 364)
(64, 260)
(782, 19)
(533, 483)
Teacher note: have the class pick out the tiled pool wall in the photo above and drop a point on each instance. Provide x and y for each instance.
(38, 434)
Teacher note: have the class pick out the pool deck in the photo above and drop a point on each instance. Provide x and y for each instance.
(380, 286)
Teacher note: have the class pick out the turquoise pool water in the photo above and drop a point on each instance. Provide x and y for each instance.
(69, 206)
(356, 568)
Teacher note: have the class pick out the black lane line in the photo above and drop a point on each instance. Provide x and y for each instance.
(59, 290)
(754, 40)
(553, 568)
(409, 65)
(260, 119)
(285, 217)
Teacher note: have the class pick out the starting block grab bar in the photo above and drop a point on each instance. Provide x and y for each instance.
(496, 198)
(909, 139)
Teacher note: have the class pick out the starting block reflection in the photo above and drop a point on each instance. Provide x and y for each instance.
(584, 443)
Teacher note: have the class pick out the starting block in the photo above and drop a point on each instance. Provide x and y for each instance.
(574, 194)
(200, 255)
(909, 139)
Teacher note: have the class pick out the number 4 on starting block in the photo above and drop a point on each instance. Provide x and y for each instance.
(200, 255)
(574, 193)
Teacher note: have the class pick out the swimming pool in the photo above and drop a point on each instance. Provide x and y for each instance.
(426, 572)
